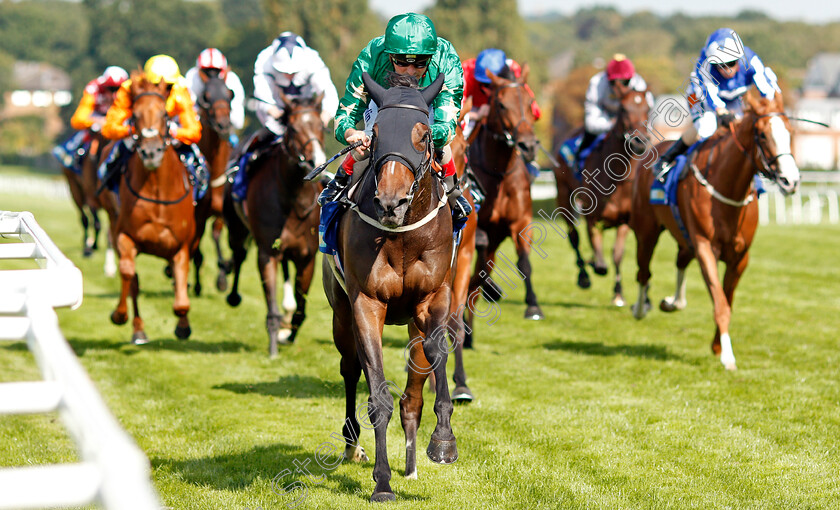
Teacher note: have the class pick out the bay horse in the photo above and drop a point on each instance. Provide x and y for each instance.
(716, 202)
(282, 217)
(605, 192)
(156, 214)
(496, 155)
(214, 113)
(396, 245)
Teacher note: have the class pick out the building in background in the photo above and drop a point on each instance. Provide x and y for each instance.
(816, 146)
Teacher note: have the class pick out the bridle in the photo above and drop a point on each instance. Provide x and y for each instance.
(765, 163)
(209, 106)
(417, 170)
(295, 148)
(167, 142)
(508, 135)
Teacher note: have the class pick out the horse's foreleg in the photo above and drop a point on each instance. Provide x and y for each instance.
(223, 264)
(722, 310)
(523, 264)
(647, 235)
(267, 266)
(351, 370)
(618, 254)
(181, 274)
(596, 240)
(431, 319)
(457, 323)
(289, 302)
(411, 407)
(369, 319)
(79, 199)
(198, 261)
(574, 240)
(139, 336)
(678, 300)
(237, 236)
(303, 280)
(128, 251)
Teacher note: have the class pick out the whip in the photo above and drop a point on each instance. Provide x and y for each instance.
(314, 173)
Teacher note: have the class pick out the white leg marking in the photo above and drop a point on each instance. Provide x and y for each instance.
(727, 357)
(289, 303)
(642, 306)
(110, 263)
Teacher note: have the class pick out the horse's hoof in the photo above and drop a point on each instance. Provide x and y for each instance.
(462, 395)
(355, 454)
(442, 452)
(730, 366)
(221, 283)
(197, 289)
(618, 301)
(139, 338)
(640, 312)
(382, 497)
(533, 313)
(87, 252)
(272, 348)
(234, 299)
(468, 339)
(669, 304)
(583, 280)
(598, 269)
(167, 271)
(119, 319)
(182, 332)
(284, 336)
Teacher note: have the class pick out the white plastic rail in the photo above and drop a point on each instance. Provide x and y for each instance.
(113, 471)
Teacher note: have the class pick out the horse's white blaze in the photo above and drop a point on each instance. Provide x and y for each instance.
(289, 303)
(320, 158)
(110, 263)
(727, 357)
(787, 165)
(149, 132)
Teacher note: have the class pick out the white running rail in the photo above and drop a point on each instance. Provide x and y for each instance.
(113, 471)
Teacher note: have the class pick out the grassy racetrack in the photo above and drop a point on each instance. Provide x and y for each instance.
(587, 409)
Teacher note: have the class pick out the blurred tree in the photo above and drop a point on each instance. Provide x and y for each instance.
(569, 95)
(473, 25)
(43, 31)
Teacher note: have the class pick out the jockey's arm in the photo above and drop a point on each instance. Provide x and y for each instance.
(351, 106)
(83, 116)
(120, 111)
(179, 104)
(447, 104)
(596, 119)
(763, 77)
(321, 82)
(237, 104)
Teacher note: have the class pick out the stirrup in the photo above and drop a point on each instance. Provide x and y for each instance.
(462, 208)
(664, 168)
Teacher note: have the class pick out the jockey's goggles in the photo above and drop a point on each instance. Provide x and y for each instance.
(418, 61)
(624, 82)
(725, 65)
(112, 90)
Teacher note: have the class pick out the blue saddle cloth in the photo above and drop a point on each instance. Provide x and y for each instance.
(331, 214)
(570, 147)
(196, 165)
(70, 153)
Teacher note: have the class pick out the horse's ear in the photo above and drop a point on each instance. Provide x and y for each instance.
(376, 91)
(318, 98)
(286, 101)
(203, 76)
(523, 76)
(495, 80)
(418, 136)
(779, 100)
(751, 102)
(431, 92)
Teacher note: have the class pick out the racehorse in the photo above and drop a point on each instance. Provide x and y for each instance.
(605, 192)
(496, 156)
(396, 245)
(214, 112)
(717, 205)
(282, 214)
(156, 214)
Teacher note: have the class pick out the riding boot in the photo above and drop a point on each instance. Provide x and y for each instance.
(664, 163)
(337, 185)
(458, 203)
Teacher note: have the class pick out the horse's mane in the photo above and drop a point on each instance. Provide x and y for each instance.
(402, 80)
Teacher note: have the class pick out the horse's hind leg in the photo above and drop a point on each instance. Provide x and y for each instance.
(722, 344)
(181, 307)
(237, 237)
(574, 239)
(723, 312)
(79, 199)
(411, 407)
(646, 238)
(678, 300)
(351, 370)
(523, 264)
(289, 302)
(303, 280)
(198, 261)
(138, 337)
(267, 266)
(224, 265)
(618, 254)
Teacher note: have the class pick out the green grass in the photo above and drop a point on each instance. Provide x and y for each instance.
(587, 409)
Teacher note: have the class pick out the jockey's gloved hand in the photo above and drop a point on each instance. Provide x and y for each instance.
(725, 118)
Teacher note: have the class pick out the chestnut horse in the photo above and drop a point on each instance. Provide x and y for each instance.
(506, 136)
(605, 193)
(718, 208)
(156, 214)
(282, 214)
(396, 246)
(214, 112)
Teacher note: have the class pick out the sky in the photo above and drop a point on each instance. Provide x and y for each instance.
(815, 11)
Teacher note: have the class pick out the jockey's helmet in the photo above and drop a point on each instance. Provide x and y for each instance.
(113, 76)
(724, 47)
(410, 34)
(289, 55)
(491, 59)
(162, 68)
(620, 68)
(211, 58)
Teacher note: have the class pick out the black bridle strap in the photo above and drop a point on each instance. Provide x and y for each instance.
(155, 200)
(406, 106)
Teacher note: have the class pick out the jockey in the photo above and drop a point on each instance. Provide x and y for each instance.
(290, 67)
(212, 62)
(90, 114)
(603, 98)
(410, 46)
(725, 70)
(477, 86)
(179, 106)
